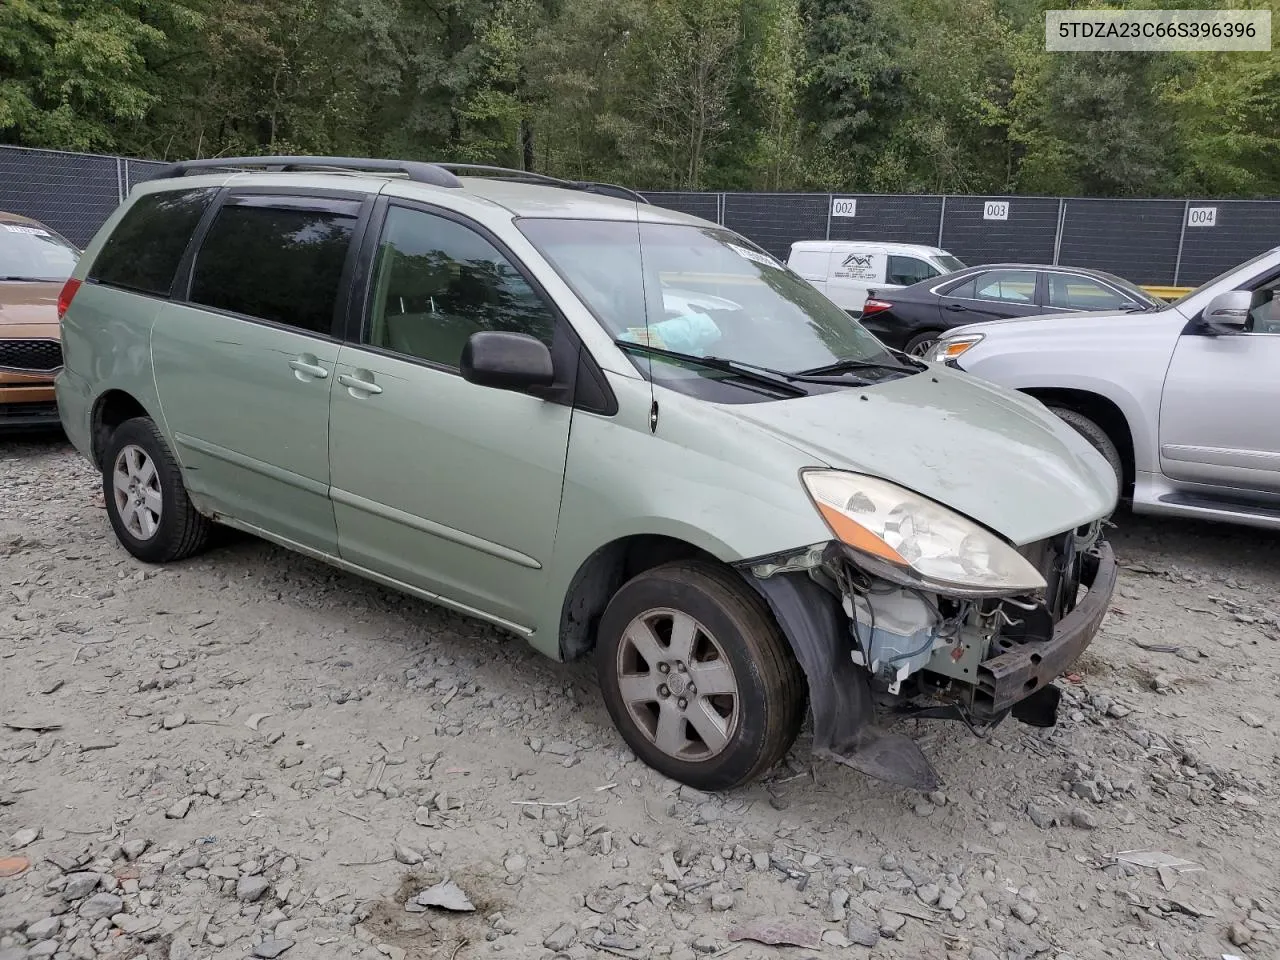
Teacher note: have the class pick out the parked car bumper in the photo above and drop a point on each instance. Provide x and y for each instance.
(73, 408)
(27, 407)
(887, 330)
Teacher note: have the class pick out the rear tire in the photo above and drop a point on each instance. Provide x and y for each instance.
(146, 500)
(1097, 437)
(919, 345)
(692, 624)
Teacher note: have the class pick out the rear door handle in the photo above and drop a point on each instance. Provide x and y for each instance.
(956, 307)
(355, 383)
(305, 369)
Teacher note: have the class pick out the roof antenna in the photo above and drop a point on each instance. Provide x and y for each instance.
(644, 304)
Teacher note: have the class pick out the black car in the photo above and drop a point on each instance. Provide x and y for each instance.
(912, 318)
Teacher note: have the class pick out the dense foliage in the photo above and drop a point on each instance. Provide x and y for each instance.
(886, 95)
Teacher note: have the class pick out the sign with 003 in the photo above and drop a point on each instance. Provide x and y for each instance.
(995, 210)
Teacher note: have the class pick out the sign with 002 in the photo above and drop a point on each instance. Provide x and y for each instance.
(843, 207)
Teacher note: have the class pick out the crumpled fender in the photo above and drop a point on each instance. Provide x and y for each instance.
(845, 727)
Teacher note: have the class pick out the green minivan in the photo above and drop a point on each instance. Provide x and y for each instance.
(609, 428)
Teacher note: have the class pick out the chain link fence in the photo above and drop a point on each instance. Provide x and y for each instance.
(1153, 242)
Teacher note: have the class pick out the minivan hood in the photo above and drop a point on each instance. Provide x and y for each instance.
(29, 302)
(996, 456)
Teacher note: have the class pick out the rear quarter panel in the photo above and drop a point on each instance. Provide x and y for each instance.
(1122, 358)
(106, 344)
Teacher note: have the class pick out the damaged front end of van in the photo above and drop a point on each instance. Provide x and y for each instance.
(914, 610)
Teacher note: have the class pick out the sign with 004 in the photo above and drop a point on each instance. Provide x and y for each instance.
(1202, 216)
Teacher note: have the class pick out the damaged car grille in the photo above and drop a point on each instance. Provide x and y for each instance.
(1036, 639)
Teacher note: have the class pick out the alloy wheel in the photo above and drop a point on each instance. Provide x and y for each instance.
(678, 685)
(135, 484)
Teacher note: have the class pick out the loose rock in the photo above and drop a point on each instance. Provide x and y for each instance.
(101, 905)
(270, 949)
(560, 938)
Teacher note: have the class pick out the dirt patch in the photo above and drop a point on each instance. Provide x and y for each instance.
(247, 737)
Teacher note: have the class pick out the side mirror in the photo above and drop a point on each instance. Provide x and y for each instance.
(1227, 313)
(506, 361)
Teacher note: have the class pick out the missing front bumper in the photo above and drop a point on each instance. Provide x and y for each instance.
(1017, 673)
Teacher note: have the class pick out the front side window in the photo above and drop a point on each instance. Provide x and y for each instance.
(905, 271)
(1071, 292)
(437, 282)
(1264, 310)
(282, 264)
(30, 252)
(1009, 286)
(143, 252)
(701, 291)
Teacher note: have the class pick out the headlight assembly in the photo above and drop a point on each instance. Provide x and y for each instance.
(915, 541)
(953, 347)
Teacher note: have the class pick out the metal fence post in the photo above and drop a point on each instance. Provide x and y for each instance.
(1057, 239)
(831, 199)
(942, 218)
(1182, 235)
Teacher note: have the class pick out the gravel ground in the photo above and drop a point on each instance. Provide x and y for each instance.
(249, 754)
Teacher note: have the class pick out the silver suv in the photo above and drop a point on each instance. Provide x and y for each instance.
(1181, 400)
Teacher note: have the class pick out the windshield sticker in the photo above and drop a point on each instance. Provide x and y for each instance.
(645, 336)
(20, 228)
(754, 257)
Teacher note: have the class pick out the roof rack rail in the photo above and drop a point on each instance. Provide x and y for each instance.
(590, 186)
(415, 170)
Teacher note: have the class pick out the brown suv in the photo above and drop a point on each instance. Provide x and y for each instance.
(35, 261)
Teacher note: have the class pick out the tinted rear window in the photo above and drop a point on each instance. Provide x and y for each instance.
(143, 251)
(274, 263)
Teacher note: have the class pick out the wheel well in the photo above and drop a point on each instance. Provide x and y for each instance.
(599, 578)
(112, 409)
(1102, 412)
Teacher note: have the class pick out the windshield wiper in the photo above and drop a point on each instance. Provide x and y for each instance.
(847, 366)
(762, 376)
(28, 279)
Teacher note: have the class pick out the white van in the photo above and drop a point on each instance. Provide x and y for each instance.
(845, 269)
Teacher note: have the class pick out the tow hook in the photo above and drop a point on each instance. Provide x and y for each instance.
(1041, 708)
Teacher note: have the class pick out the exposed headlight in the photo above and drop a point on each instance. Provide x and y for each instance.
(916, 540)
(950, 348)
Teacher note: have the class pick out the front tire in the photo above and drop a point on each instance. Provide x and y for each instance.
(919, 345)
(697, 676)
(1096, 436)
(146, 500)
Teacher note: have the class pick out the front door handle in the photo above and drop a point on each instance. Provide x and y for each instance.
(956, 306)
(306, 370)
(358, 386)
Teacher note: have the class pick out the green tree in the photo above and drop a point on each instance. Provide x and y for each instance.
(854, 85)
(71, 70)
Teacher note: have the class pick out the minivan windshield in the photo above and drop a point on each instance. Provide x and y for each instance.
(949, 263)
(702, 291)
(30, 252)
